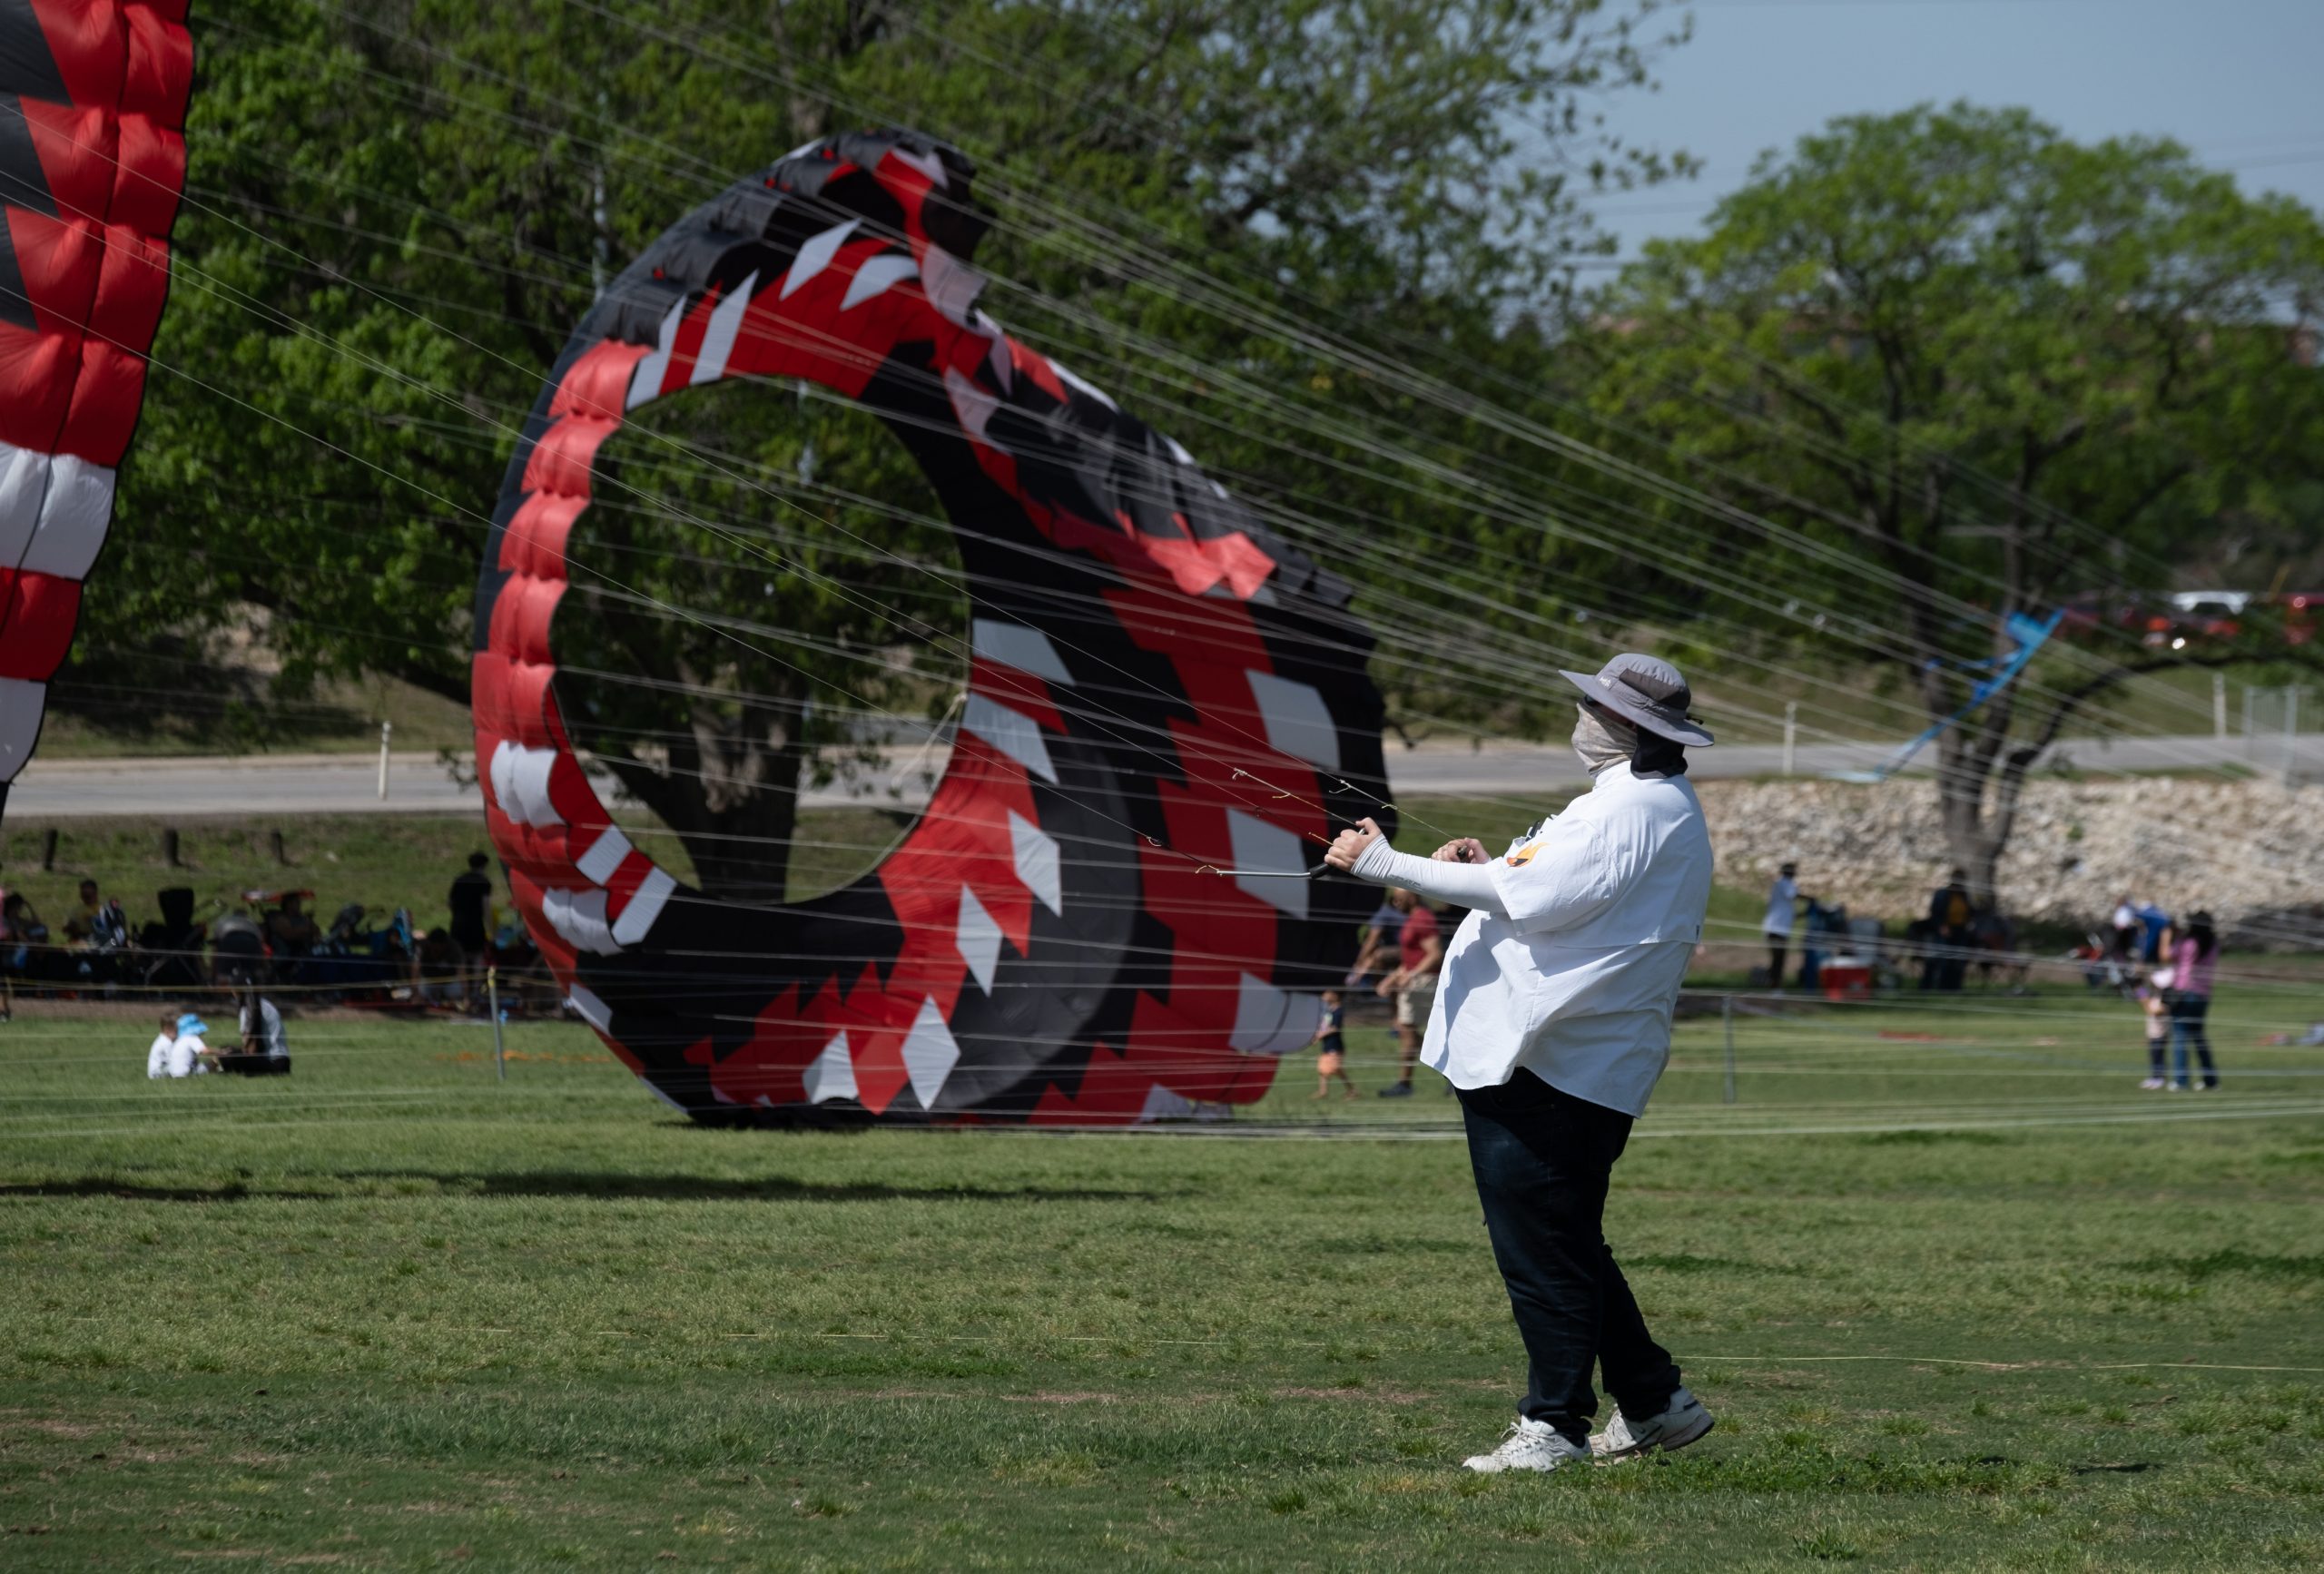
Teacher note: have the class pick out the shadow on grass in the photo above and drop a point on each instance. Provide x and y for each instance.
(1688, 1262)
(1933, 1138)
(680, 1188)
(2258, 1264)
(135, 1191)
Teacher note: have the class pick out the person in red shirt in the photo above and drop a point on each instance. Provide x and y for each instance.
(1420, 951)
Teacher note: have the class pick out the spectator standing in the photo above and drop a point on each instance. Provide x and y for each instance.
(2194, 960)
(471, 904)
(1420, 952)
(1331, 1048)
(2125, 925)
(2153, 924)
(1783, 907)
(1379, 931)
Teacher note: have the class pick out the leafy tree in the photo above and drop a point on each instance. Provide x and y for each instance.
(1964, 367)
(398, 212)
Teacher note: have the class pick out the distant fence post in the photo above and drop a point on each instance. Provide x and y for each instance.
(1790, 733)
(384, 729)
(492, 1004)
(2291, 732)
(48, 850)
(1727, 1020)
(2219, 707)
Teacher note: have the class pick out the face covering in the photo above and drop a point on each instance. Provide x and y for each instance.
(1601, 741)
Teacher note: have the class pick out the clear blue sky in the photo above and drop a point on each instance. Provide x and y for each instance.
(2236, 79)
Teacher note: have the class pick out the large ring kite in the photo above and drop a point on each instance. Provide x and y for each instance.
(1161, 691)
(91, 163)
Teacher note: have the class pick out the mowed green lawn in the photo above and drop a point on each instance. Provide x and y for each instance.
(1961, 1296)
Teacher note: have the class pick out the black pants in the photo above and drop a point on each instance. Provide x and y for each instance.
(1779, 946)
(1542, 1160)
(2187, 1031)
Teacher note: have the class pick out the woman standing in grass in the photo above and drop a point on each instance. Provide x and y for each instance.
(2193, 960)
(1552, 1022)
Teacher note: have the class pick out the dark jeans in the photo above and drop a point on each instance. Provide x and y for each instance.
(2187, 1031)
(1946, 965)
(1543, 1159)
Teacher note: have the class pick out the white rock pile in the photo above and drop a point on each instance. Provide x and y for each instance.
(2253, 852)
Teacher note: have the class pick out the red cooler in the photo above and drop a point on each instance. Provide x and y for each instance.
(1846, 978)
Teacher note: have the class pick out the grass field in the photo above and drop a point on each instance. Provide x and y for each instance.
(1962, 1297)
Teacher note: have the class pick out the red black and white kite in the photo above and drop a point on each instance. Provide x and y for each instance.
(92, 164)
(1161, 690)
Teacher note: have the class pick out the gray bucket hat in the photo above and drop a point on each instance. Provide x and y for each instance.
(1647, 693)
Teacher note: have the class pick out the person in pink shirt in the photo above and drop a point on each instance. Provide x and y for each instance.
(2194, 958)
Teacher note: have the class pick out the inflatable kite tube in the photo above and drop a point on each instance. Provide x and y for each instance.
(1161, 691)
(92, 164)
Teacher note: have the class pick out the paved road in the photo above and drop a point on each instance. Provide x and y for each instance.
(1516, 771)
(417, 784)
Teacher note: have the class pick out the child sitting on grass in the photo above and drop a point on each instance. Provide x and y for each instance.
(1331, 1057)
(2153, 999)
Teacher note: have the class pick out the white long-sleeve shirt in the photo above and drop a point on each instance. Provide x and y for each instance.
(1570, 963)
(1783, 905)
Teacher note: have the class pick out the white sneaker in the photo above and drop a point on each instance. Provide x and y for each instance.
(1529, 1445)
(1683, 1421)
(2152, 1085)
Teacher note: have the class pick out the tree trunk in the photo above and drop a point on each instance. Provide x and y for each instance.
(1969, 836)
(733, 801)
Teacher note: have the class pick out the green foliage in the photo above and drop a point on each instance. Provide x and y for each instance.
(1967, 366)
(1993, 365)
(397, 214)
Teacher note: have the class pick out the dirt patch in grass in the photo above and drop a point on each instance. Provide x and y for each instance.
(1374, 1395)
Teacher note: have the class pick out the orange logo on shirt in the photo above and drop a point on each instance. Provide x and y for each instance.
(1523, 856)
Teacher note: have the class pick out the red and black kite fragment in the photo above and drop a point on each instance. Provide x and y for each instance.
(92, 164)
(1161, 690)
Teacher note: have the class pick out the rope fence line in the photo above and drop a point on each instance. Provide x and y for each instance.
(1380, 1131)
